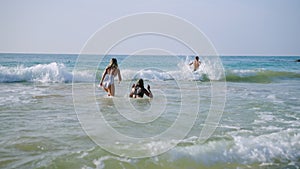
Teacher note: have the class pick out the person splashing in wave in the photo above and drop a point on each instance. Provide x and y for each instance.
(196, 63)
(108, 76)
(138, 90)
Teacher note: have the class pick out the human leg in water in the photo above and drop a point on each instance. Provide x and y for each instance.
(110, 90)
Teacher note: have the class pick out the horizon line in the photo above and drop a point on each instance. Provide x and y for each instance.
(118, 54)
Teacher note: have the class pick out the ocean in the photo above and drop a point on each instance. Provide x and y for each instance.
(245, 114)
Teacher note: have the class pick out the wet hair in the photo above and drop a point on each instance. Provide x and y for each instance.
(140, 83)
(197, 57)
(113, 63)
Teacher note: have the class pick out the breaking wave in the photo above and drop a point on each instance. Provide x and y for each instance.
(58, 73)
(259, 76)
(43, 73)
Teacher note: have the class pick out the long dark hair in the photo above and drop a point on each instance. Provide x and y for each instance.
(140, 83)
(113, 63)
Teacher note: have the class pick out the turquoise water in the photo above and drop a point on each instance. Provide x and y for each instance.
(40, 128)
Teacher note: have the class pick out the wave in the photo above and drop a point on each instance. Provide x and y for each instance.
(218, 152)
(259, 76)
(157, 75)
(58, 73)
(43, 73)
(183, 72)
(250, 76)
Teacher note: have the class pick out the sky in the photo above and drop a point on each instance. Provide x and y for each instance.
(234, 27)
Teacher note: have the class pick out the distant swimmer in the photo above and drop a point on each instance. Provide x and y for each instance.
(298, 60)
(138, 90)
(196, 63)
(107, 80)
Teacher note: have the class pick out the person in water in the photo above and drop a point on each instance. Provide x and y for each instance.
(107, 80)
(196, 63)
(138, 90)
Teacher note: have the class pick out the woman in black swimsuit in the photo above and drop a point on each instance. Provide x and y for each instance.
(138, 90)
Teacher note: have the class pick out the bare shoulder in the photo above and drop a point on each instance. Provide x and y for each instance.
(116, 71)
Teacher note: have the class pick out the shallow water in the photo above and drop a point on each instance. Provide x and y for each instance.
(40, 128)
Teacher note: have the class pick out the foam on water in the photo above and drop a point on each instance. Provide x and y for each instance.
(156, 75)
(58, 73)
(244, 149)
(183, 72)
(240, 150)
(43, 73)
(53, 72)
(259, 127)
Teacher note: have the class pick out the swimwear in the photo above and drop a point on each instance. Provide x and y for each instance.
(109, 80)
(139, 91)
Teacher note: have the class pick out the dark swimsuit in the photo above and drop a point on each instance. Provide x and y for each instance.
(139, 91)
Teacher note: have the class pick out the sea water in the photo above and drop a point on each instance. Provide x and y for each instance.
(41, 124)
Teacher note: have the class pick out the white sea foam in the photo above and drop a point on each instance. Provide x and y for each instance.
(100, 163)
(44, 73)
(267, 148)
(157, 75)
(206, 71)
(247, 150)
(58, 73)
(246, 71)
